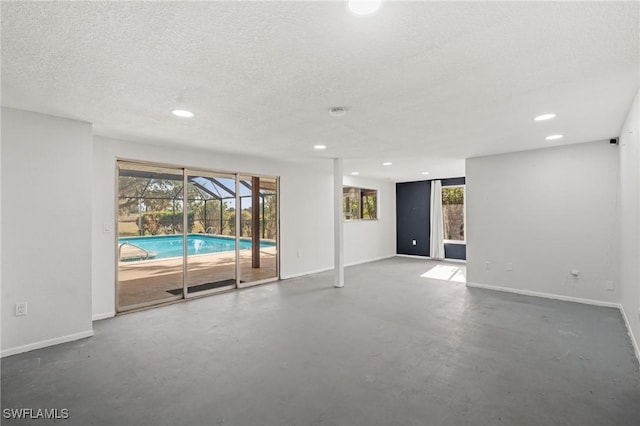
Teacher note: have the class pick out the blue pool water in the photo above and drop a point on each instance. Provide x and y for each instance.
(164, 246)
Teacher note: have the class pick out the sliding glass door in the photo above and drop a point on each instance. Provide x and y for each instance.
(224, 236)
(211, 254)
(258, 229)
(150, 235)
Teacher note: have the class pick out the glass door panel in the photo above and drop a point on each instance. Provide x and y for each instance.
(211, 256)
(150, 235)
(258, 229)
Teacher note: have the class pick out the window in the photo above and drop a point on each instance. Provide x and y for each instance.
(359, 203)
(453, 213)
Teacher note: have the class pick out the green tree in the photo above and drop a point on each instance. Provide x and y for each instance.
(453, 195)
(270, 219)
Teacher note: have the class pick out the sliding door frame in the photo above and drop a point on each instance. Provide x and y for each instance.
(141, 305)
(186, 171)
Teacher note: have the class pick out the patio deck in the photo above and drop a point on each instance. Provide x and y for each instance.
(150, 280)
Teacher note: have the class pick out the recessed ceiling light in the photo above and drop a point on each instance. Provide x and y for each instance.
(425, 173)
(319, 147)
(554, 137)
(182, 113)
(387, 163)
(364, 7)
(355, 173)
(545, 117)
(337, 111)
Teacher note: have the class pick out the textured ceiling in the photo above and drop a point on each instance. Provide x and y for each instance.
(426, 84)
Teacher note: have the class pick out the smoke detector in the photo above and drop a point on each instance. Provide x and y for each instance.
(337, 111)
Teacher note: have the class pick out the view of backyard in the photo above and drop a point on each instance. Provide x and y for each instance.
(154, 206)
(453, 212)
(177, 232)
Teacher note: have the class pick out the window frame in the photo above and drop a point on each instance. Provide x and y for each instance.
(464, 212)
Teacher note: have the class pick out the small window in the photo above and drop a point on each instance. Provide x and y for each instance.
(359, 203)
(453, 213)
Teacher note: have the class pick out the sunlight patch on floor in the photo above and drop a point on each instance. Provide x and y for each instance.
(446, 273)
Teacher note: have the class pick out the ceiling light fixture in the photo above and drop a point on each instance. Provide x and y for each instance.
(364, 7)
(337, 111)
(387, 163)
(554, 137)
(355, 173)
(319, 147)
(544, 117)
(182, 113)
(425, 173)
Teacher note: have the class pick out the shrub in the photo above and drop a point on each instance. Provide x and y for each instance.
(165, 222)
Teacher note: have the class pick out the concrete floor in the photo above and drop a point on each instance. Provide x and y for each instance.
(391, 348)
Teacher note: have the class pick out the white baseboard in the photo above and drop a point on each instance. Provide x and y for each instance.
(317, 271)
(302, 274)
(413, 256)
(546, 295)
(44, 343)
(360, 262)
(454, 260)
(634, 342)
(104, 315)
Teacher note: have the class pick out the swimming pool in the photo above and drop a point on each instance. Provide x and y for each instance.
(164, 246)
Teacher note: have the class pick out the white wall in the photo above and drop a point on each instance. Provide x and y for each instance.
(629, 184)
(46, 224)
(546, 212)
(1, 310)
(306, 220)
(366, 240)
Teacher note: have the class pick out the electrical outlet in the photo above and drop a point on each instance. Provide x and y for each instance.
(414, 242)
(487, 265)
(509, 266)
(610, 285)
(21, 309)
(106, 228)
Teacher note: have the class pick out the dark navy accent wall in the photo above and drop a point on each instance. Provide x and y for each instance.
(413, 202)
(413, 216)
(453, 181)
(455, 251)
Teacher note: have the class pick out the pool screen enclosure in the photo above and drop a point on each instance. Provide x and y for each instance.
(188, 232)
